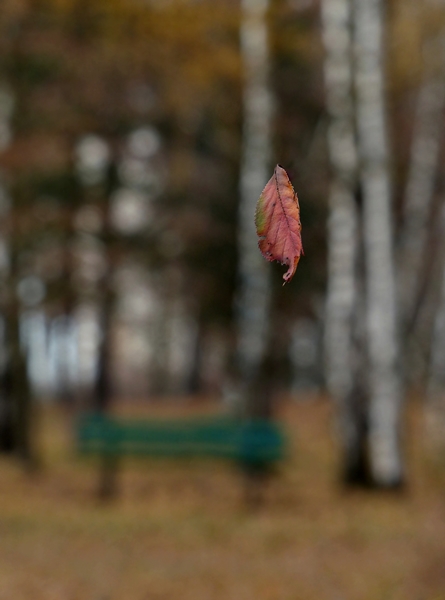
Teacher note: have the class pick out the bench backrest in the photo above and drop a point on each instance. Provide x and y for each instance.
(248, 441)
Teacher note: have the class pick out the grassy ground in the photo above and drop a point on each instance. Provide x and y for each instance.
(179, 531)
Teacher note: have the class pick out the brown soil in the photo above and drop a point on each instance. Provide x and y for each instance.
(180, 530)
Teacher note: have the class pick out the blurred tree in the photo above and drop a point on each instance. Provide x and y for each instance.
(344, 356)
(254, 291)
(381, 318)
(97, 174)
(420, 187)
(435, 408)
(418, 246)
(7, 436)
(15, 393)
(361, 332)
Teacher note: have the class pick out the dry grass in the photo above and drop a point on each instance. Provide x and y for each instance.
(179, 530)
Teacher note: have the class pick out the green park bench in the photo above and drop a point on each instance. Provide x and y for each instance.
(254, 445)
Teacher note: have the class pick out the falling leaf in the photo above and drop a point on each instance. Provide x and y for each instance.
(277, 221)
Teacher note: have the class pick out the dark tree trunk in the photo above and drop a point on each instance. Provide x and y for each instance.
(7, 432)
(16, 398)
(355, 463)
(102, 387)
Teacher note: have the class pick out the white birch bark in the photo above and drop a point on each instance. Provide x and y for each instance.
(423, 166)
(253, 298)
(342, 213)
(385, 393)
(342, 221)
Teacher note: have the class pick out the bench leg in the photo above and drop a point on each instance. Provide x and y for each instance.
(255, 480)
(108, 476)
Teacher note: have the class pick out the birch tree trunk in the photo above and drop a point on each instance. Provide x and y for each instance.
(342, 231)
(384, 384)
(253, 298)
(423, 167)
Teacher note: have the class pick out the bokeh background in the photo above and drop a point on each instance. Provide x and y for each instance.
(135, 135)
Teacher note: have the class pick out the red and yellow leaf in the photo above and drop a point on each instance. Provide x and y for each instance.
(277, 221)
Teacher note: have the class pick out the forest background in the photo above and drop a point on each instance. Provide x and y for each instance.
(135, 138)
